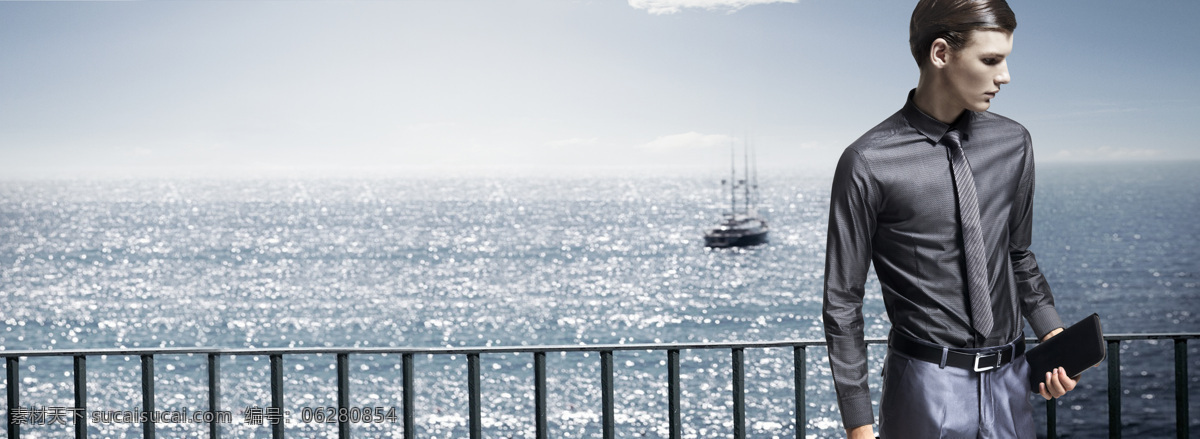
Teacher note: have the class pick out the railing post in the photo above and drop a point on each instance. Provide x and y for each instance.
(80, 412)
(739, 395)
(673, 411)
(214, 394)
(799, 358)
(1181, 389)
(277, 423)
(148, 396)
(606, 391)
(475, 424)
(12, 369)
(410, 424)
(343, 395)
(1114, 389)
(1052, 418)
(539, 394)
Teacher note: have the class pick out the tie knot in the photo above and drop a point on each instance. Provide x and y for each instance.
(952, 139)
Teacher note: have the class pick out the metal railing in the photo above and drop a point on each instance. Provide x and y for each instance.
(799, 355)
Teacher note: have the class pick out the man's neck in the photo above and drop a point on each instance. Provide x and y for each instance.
(934, 104)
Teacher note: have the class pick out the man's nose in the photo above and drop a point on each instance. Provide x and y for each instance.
(1003, 77)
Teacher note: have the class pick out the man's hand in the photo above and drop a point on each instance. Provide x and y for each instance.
(861, 432)
(1057, 382)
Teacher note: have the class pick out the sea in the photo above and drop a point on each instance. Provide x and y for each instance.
(516, 260)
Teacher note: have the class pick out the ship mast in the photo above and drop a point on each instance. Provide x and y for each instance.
(732, 181)
(746, 175)
(754, 205)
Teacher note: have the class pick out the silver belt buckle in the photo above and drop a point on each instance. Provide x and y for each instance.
(999, 359)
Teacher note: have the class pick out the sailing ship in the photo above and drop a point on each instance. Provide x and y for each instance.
(739, 228)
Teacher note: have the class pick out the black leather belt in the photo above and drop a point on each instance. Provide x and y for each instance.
(978, 360)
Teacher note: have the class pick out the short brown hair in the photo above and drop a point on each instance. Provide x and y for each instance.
(953, 21)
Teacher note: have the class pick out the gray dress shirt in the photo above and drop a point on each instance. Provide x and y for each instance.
(893, 204)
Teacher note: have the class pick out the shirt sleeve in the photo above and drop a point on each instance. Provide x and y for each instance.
(1037, 302)
(853, 204)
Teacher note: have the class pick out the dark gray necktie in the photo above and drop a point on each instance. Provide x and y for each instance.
(972, 233)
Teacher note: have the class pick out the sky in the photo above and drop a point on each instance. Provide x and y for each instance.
(192, 88)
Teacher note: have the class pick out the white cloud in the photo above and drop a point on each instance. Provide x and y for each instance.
(690, 140)
(662, 7)
(1106, 153)
(574, 142)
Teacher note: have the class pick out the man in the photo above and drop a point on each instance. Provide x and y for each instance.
(939, 197)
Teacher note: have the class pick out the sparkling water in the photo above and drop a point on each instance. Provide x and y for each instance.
(521, 260)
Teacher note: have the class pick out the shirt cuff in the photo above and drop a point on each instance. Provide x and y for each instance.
(1044, 320)
(857, 412)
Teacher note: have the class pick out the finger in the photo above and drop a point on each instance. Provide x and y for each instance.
(1062, 381)
(1056, 388)
(1042, 391)
(1068, 384)
(1046, 389)
(1053, 386)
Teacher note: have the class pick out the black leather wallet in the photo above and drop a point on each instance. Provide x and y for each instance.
(1075, 349)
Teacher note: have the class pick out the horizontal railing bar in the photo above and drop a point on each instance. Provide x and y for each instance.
(501, 349)
(425, 350)
(1155, 336)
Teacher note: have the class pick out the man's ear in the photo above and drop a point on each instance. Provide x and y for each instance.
(939, 53)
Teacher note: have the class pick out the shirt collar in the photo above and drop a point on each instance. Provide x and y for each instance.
(932, 128)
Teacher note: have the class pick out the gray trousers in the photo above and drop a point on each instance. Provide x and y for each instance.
(922, 400)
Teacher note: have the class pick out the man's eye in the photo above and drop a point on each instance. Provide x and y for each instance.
(990, 61)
